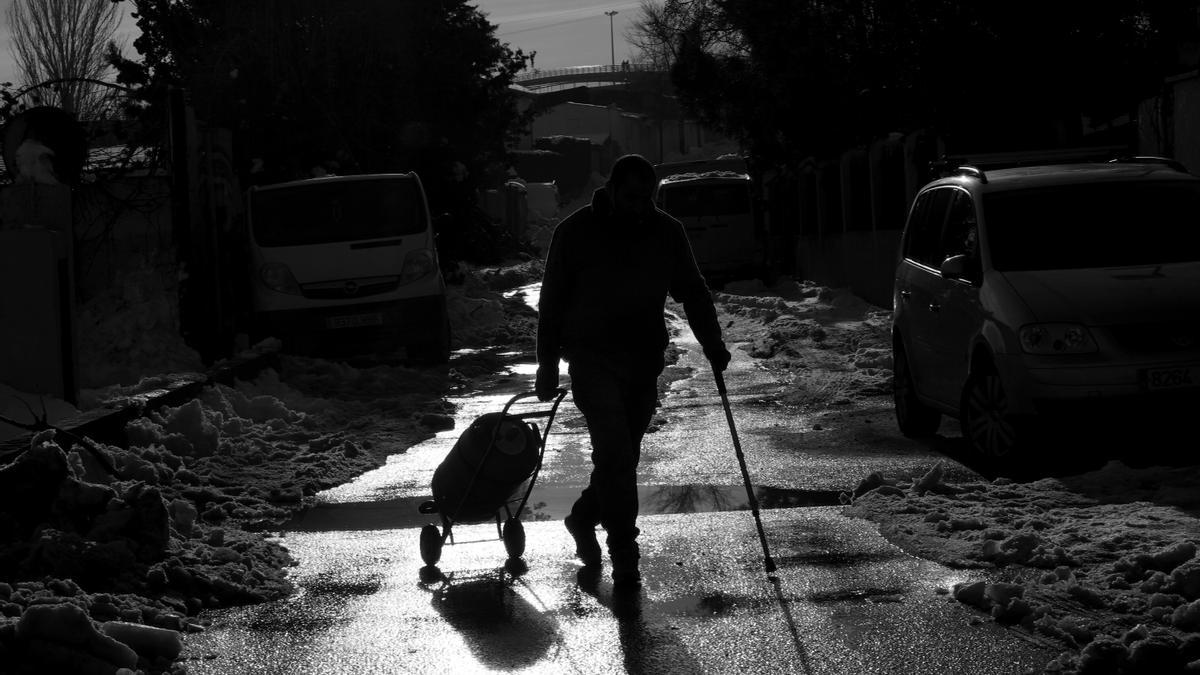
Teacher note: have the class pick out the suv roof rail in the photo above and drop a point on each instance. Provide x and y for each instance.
(1149, 159)
(953, 167)
(989, 161)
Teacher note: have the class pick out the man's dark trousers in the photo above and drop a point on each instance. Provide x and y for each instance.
(618, 402)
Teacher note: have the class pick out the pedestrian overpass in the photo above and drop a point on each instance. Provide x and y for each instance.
(600, 76)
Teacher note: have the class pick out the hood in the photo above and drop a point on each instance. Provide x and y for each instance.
(602, 209)
(601, 202)
(1111, 296)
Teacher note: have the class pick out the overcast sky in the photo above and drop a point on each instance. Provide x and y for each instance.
(562, 32)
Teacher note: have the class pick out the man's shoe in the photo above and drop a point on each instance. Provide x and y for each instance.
(586, 546)
(625, 580)
(625, 574)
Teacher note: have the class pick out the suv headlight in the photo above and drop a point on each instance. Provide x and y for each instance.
(418, 265)
(1057, 338)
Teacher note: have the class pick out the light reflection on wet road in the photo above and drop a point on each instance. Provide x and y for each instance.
(844, 600)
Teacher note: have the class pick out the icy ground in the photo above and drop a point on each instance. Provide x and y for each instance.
(1102, 564)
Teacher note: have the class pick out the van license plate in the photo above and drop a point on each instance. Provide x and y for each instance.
(354, 321)
(1171, 378)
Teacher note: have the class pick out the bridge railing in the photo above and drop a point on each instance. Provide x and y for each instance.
(536, 75)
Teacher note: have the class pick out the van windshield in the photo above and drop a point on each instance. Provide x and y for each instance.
(324, 212)
(1113, 224)
(690, 201)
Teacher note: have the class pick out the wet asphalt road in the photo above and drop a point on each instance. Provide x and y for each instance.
(845, 601)
(842, 601)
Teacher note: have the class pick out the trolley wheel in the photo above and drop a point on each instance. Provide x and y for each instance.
(514, 538)
(431, 544)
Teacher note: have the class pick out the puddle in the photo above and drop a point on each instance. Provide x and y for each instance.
(836, 558)
(713, 605)
(669, 499)
(341, 585)
(553, 502)
(860, 595)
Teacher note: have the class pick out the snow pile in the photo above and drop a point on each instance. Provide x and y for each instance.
(79, 544)
(833, 346)
(132, 329)
(108, 551)
(539, 232)
(125, 544)
(481, 314)
(543, 215)
(1104, 562)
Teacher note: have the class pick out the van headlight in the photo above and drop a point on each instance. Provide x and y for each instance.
(418, 265)
(278, 277)
(1057, 338)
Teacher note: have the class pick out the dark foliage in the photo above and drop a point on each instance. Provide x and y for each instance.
(813, 78)
(368, 86)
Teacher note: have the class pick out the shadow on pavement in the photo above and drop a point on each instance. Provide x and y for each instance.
(647, 646)
(786, 607)
(503, 629)
(648, 642)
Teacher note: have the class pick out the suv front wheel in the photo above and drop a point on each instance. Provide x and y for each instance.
(992, 431)
(914, 418)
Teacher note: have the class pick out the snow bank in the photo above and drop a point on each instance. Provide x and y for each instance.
(123, 524)
(157, 532)
(833, 346)
(1104, 562)
(481, 315)
(132, 330)
(171, 525)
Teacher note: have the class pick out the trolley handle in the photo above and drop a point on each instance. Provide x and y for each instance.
(558, 397)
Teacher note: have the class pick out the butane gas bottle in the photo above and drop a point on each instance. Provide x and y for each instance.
(478, 476)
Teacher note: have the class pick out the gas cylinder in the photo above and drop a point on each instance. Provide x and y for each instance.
(486, 467)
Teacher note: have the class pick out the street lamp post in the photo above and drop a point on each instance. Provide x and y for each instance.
(611, 43)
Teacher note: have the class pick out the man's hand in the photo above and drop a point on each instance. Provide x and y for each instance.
(718, 356)
(546, 383)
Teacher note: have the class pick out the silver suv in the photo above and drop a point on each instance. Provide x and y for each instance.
(1025, 293)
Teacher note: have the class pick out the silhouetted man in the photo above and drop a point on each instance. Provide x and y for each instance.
(608, 272)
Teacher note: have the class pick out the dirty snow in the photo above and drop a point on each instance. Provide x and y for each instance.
(1103, 564)
(831, 346)
(109, 545)
(131, 330)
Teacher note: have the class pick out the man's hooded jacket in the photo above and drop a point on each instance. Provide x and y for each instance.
(605, 287)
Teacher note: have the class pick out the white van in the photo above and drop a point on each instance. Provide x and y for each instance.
(347, 258)
(715, 201)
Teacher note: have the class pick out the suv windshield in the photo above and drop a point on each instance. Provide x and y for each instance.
(327, 212)
(690, 201)
(1114, 224)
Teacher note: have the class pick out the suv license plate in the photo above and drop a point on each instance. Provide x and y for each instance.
(1171, 378)
(354, 321)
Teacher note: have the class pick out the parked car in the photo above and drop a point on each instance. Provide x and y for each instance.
(716, 203)
(1025, 295)
(344, 258)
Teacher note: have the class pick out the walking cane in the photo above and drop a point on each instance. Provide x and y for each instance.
(768, 561)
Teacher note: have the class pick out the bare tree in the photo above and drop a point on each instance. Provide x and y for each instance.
(658, 32)
(66, 42)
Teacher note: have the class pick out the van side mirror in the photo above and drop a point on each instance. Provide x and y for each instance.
(961, 267)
